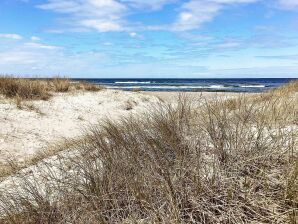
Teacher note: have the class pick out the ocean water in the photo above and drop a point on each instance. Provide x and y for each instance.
(192, 85)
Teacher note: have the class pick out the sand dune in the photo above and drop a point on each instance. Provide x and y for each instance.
(25, 131)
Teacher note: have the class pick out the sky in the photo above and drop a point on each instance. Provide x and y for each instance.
(149, 38)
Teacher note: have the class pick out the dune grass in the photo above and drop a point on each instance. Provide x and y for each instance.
(39, 89)
(224, 161)
(288, 88)
(23, 88)
(60, 84)
(88, 87)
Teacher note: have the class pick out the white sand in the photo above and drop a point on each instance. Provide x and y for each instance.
(171, 97)
(25, 132)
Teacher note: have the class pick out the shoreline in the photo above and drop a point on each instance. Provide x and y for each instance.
(229, 85)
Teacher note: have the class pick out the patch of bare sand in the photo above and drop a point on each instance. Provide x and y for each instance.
(24, 132)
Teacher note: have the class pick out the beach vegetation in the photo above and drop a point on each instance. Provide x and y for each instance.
(210, 161)
(23, 88)
(39, 89)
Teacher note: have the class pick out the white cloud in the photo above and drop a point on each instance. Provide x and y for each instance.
(133, 34)
(107, 44)
(288, 4)
(101, 25)
(196, 12)
(34, 38)
(41, 46)
(100, 15)
(39, 59)
(110, 15)
(26, 53)
(11, 36)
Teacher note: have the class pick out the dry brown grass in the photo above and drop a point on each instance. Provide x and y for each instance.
(83, 86)
(11, 166)
(60, 84)
(39, 89)
(23, 88)
(291, 87)
(136, 90)
(89, 87)
(223, 162)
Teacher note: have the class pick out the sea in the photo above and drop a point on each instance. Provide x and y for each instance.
(192, 85)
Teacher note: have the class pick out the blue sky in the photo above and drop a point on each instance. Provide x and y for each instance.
(153, 38)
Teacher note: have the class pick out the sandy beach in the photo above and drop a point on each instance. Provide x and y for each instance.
(148, 112)
(131, 146)
(39, 124)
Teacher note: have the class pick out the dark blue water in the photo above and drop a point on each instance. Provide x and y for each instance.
(192, 85)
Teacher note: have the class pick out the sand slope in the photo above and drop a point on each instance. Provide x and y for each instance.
(23, 132)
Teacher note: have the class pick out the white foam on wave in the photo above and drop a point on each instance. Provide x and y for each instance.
(253, 86)
(132, 82)
(216, 86)
(167, 87)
